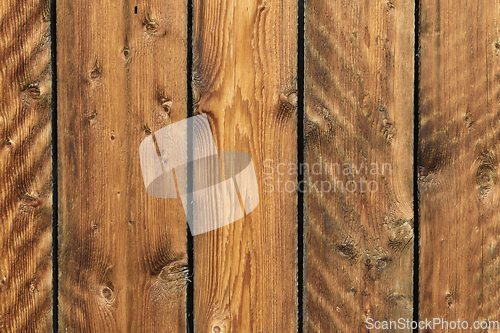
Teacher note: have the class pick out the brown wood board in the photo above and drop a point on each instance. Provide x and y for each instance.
(121, 76)
(25, 167)
(359, 68)
(459, 160)
(244, 80)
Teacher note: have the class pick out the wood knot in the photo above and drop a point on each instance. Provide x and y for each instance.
(175, 274)
(434, 154)
(91, 116)
(399, 300)
(33, 90)
(381, 263)
(449, 298)
(348, 250)
(95, 73)
(388, 130)
(290, 99)
(166, 104)
(485, 174)
(29, 200)
(400, 243)
(287, 105)
(107, 292)
(217, 329)
(126, 53)
(150, 25)
(368, 262)
(32, 287)
(422, 171)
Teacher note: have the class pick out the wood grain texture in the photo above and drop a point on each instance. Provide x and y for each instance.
(359, 58)
(121, 76)
(25, 167)
(245, 81)
(459, 160)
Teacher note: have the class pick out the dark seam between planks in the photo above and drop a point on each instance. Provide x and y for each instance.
(416, 166)
(55, 183)
(190, 113)
(300, 157)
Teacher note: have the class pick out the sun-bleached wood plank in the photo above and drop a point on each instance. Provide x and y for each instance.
(245, 82)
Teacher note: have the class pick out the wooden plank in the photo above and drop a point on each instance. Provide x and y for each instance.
(245, 82)
(122, 76)
(359, 58)
(25, 167)
(459, 160)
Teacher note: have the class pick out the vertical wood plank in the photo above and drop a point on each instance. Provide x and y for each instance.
(459, 160)
(245, 81)
(359, 58)
(122, 76)
(25, 167)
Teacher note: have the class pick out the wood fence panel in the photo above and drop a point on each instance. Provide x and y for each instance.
(121, 76)
(25, 167)
(459, 160)
(245, 68)
(359, 75)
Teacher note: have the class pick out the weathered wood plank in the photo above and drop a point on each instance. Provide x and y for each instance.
(25, 167)
(121, 75)
(359, 58)
(245, 81)
(459, 160)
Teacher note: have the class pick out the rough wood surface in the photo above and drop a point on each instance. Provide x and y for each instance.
(245, 81)
(121, 76)
(459, 160)
(359, 58)
(25, 167)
